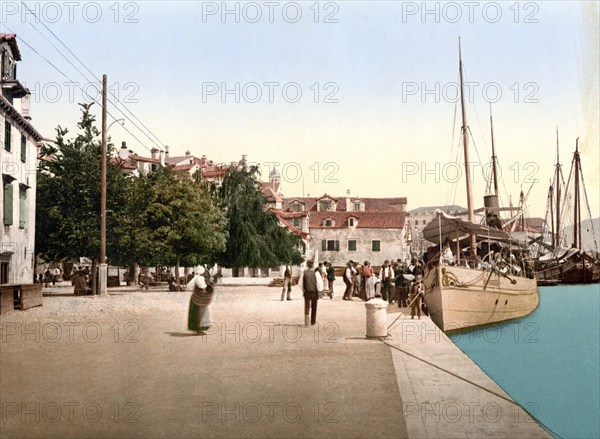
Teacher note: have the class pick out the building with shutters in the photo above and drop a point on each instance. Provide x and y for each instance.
(18, 163)
(349, 228)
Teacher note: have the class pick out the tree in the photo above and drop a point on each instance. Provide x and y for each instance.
(68, 194)
(173, 221)
(256, 238)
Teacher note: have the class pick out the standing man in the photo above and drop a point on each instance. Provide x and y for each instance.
(287, 283)
(387, 276)
(311, 294)
(349, 273)
(330, 278)
(369, 280)
(416, 296)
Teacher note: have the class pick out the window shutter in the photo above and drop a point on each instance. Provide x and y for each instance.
(8, 204)
(22, 208)
(23, 148)
(323, 245)
(337, 245)
(7, 128)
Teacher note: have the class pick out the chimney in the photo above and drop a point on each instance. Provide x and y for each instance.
(154, 153)
(348, 207)
(188, 152)
(161, 158)
(25, 107)
(166, 152)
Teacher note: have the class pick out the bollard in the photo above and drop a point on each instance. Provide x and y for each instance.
(376, 318)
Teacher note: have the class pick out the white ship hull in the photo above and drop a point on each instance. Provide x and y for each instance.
(461, 297)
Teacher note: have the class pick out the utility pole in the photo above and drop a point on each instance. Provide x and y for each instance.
(102, 266)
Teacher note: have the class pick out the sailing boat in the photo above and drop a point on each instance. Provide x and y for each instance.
(567, 265)
(478, 276)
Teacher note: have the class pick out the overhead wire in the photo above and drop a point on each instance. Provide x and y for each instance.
(162, 145)
(116, 102)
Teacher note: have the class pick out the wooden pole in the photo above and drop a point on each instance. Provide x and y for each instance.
(465, 135)
(103, 269)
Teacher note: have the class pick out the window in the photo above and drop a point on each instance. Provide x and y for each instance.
(352, 245)
(324, 206)
(23, 148)
(3, 272)
(351, 222)
(296, 222)
(8, 201)
(424, 222)
(357, 207)
(330, 245)
(328, 222)
(376, 245)
(7, 128)
(22, 207)
(296, 207)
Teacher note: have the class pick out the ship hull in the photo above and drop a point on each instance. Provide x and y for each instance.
(460, 297)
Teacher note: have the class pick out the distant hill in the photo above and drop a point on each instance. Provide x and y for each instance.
(587, 236)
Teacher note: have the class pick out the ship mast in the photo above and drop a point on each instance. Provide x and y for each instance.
(577, 209)
(494, 173)
(557, 183)
(466, 150)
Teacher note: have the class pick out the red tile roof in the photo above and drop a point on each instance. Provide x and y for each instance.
(365, 220)
(371, 204)
(289, 225)
(139, 158)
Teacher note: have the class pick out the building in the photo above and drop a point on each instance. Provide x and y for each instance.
(349, 228)
(18, 163)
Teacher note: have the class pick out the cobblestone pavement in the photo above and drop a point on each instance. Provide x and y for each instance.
(126, 366)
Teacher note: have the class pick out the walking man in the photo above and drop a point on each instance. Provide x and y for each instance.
(330, 278)
(310, 292)
(287, 283)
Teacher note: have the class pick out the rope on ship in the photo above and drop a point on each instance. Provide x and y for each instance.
(544, 426)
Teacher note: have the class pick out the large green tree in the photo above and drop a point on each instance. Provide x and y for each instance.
(174, 220)
(68, 194)
(256, 237)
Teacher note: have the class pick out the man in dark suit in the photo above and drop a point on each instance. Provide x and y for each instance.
(311, 294)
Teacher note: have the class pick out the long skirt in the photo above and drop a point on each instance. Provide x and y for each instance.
(198, 317)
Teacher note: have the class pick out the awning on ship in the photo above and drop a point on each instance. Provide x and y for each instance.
(443, 226)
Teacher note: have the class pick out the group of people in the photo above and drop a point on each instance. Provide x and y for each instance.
(50, 276)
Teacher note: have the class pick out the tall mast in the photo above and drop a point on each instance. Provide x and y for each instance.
(473, 249)
(557, 183)
(577, 208)
(493, 155)
(550, 199)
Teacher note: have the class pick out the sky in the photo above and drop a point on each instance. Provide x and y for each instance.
(357, 96)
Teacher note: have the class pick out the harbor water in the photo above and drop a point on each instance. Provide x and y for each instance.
(548, 361)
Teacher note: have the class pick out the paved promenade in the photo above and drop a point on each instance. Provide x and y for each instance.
(126, 366)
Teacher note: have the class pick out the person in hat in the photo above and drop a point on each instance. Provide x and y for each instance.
(308, 284)
(198, 314)
(416, 295)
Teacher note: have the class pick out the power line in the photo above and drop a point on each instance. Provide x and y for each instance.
(116, 102)
(70, 80)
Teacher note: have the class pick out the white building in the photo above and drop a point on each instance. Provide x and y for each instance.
(18, 163)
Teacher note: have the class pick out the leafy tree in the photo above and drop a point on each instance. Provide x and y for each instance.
(172, 221)
(256, 238)
(68, 194)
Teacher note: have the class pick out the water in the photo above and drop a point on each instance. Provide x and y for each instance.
(548, 361)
